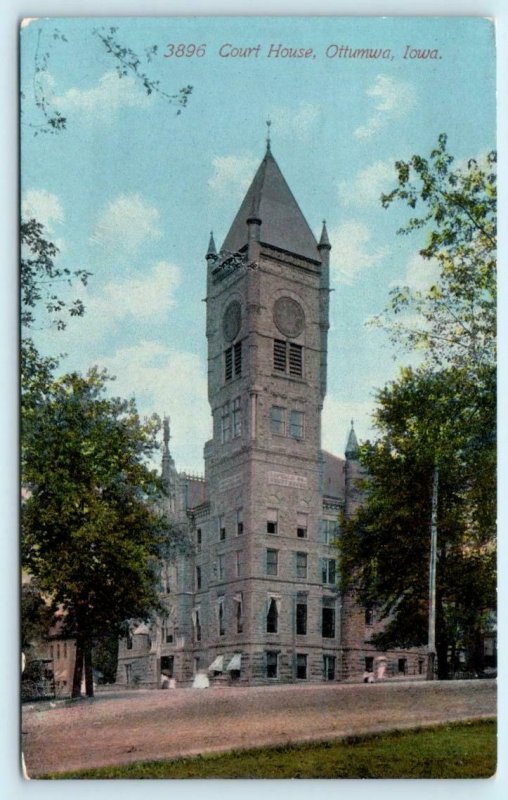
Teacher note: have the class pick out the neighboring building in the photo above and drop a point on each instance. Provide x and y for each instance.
(257, 600)
(49, 668)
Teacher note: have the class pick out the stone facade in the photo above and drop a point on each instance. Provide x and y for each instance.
(256, 600)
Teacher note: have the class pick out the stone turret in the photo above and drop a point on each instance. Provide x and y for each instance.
(354, 473)
(169, 475)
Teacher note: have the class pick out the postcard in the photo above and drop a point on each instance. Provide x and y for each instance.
(258, 397)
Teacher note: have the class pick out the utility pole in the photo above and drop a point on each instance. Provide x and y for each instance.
(432, 576)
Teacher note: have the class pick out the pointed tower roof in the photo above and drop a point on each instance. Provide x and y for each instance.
(270, 200)
(352, 448)
(324, 240)
(212, 250)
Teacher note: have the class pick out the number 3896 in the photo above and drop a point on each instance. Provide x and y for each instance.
(185, 50)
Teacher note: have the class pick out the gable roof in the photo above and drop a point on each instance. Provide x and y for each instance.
(283, 225)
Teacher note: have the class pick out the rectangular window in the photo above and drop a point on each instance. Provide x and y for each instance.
(199, 539)
(221, 567)
(272, 519)
(198, 578)
(328, 619)
(369, 663)
(301, 565)
(272, 561)
(330, 529)
(237, 357)
(239, 614)
(329, 668)
(296, 424)
(301, 618)
(222, 629)
(239, 560)
(228, 364)
(239, 522)
(288, 357)
(196, 624)
(272, 616)
(65, 649)
(402, 666)
(168, 631)
(420, 666)
(279, 355)
(301, 666)
(237, 418)
(222, 528)
(295, 359)
(301, 525)
(225, 431)
(328, 571)
(369, 615)
(277, 420)
(271, 664)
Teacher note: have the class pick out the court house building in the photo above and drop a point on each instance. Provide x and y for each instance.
(255, 598)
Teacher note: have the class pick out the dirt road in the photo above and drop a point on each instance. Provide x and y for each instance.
(145, 725)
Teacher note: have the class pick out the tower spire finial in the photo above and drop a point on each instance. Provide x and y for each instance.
(167, 435)
(352, 449)
(268, 139)
(324, 241)
(212, 250)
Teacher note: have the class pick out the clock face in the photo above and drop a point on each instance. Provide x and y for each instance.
(232, 320)
(289, 316)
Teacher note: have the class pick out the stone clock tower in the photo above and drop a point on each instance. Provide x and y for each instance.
(255, 599)
(270, 576)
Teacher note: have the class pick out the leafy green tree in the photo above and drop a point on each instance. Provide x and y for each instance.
(385, 545)
(91, 526)
(432, 471)
(36, 615)
(455, 319)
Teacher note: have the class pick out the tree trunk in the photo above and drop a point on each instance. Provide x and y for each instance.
(88, 668)
(78, 668)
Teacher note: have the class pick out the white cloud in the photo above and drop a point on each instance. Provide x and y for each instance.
(167, 381)
(145, 298)
(352, 251)
(392, 100)
(421, 274)
(232, 174)
(44, 206)
(297, 122)
(337, 416)
(103, 100)
(126, 223)
(368, 184)
(139, 300)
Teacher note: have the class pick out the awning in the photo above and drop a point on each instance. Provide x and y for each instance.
(235, 663)
(217, 665)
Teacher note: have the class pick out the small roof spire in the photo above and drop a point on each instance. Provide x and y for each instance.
(324, 240)
(212, 250)
(352, 448)
(268, 140)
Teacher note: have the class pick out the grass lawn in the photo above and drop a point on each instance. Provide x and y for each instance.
(460, 750)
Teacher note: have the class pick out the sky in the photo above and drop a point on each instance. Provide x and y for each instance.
(130, 189)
